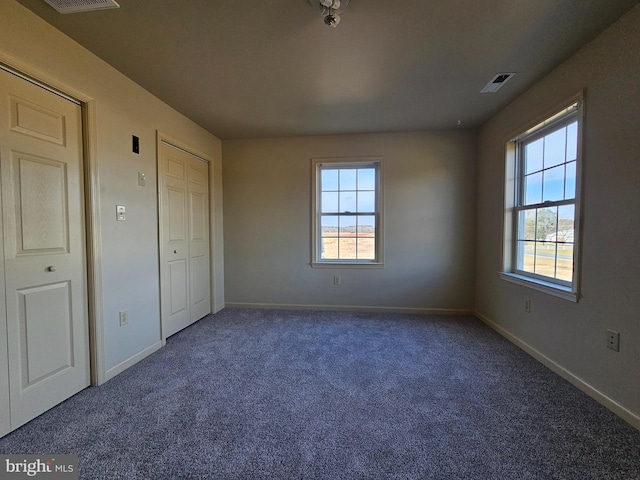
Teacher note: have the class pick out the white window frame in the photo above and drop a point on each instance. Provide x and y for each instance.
(316, 233)
(570, 110)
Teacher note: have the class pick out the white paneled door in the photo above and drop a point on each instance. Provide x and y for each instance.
(44, 349)
(184, 231)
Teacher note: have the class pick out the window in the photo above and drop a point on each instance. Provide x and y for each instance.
(347, 224)
(543, 166)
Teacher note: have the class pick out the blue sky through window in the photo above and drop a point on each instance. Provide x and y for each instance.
(550, 168)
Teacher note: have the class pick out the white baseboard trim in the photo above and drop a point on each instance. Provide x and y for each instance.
(351, 308)
(129, 362)
(627, 415)
(217, 308)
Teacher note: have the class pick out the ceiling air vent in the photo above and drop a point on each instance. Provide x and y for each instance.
(73, 6)
(496, 82)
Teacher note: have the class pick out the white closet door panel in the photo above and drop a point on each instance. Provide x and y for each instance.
(44, 248)
(199, 247)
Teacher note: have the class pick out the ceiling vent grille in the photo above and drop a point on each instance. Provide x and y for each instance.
(496, 82)
(73, 6)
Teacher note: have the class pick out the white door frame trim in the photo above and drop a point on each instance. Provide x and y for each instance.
(92, 203)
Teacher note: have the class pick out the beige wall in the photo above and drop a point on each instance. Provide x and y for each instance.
(429, 222)
(572, 335)
(129, 250)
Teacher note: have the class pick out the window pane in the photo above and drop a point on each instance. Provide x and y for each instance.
(553, 186)
(552, 254)
(554, 148)
(546, 222)
(347, 248)
(566, 223)
(366, 179)
(572, 141)
(348, 179)
(533, 189)
(564, 268)
(566, 235)
(526, 256)
(329, 248)
(545, 259)
(347, 226)
(367, 248)
(533, 156)
(366, 226)
(329, 202)
(527, 225)
(347, 202)
(570, 181)
(329, 226)
(366, 201)
(329, 180)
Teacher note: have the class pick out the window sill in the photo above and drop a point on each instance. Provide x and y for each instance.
(347, 264)
(541, 286)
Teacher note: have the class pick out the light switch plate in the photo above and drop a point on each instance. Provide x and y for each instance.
(121, 213)
(142, 179)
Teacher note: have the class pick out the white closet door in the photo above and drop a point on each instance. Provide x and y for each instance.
(44, 247)
(184, 217)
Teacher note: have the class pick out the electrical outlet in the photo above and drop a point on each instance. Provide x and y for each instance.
(527, 305)
(124, 317)
(613, 340)
(336, 279)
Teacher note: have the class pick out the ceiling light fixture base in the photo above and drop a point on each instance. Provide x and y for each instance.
(330, 10)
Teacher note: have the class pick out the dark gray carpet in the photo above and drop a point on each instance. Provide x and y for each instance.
(289, 394)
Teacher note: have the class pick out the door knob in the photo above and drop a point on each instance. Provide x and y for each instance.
(51, 268)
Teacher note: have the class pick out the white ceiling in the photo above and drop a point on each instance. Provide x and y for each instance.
(266, 68)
